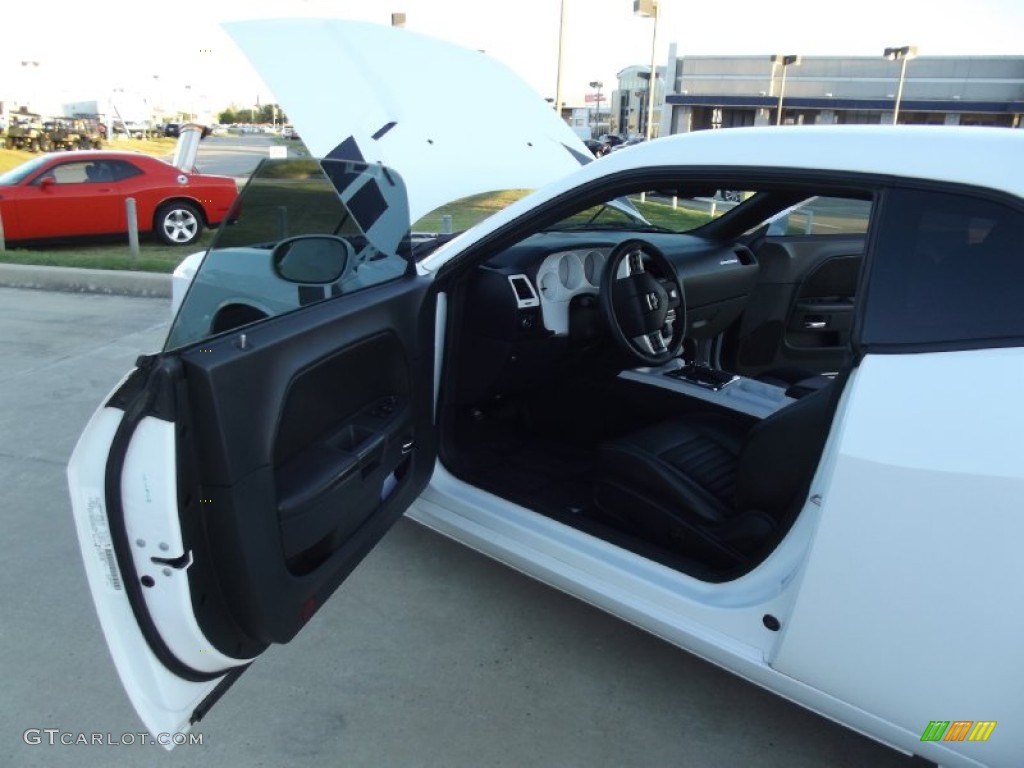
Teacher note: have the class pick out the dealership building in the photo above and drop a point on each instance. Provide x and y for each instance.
(730, 91)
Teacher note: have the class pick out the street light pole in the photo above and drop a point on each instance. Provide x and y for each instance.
(903, 55)
(785, 61)
(31, 66)
(650, 8)
(597, 115)
(561, 61)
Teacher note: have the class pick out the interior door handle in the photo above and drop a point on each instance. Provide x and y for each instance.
(814, 325)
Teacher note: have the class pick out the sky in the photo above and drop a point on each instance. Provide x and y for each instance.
(176, 54)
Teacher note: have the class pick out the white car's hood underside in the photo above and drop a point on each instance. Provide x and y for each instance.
(451, 121)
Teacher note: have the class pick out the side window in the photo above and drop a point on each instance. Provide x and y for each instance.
(946, 269)
(824, 216)
(122, 169)
(302, 231)
(69, 173)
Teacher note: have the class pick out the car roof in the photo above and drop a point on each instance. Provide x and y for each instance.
(987, 157)
(101, 154)
(991, 158)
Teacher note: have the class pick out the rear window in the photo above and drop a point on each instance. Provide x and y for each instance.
(946, 269)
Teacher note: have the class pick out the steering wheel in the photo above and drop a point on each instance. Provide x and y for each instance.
(642, 301)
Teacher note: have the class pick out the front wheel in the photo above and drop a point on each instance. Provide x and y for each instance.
(178, 223)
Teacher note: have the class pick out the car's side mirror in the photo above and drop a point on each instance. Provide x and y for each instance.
(46, 182)
(312, 259)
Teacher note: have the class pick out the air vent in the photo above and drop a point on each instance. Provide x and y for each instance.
(523, 289)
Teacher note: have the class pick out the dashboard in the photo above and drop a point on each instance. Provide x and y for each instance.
(533, 308)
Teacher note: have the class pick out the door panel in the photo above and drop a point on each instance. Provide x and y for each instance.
(801, 311)
(307, 447)
(226, 489)
(822, 316)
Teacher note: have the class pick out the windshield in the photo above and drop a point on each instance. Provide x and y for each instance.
(460, 215)
(16, 175)
(641, 212)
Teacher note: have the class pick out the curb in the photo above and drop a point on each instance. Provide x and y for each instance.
(77, 280)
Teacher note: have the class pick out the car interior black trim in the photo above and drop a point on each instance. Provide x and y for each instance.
(203, 708)
(313, 372)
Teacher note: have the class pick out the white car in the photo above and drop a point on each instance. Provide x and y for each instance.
(787, 439)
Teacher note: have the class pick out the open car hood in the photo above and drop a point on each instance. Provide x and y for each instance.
(379, 94)
(187, 148)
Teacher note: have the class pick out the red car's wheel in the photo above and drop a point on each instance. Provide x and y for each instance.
(178, 223)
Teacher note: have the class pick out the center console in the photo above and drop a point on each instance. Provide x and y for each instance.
(737, 393)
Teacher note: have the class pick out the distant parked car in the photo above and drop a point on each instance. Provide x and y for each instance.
(630, 142)
(598, 148)
(80, 194)
(289, 132)
(172, 130)
(612, 140)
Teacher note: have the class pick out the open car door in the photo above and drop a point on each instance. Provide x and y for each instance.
(231, 482)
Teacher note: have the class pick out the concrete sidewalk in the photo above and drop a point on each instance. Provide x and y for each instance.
(73, 279)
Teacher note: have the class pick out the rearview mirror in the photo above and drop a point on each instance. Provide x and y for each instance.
(312, 259)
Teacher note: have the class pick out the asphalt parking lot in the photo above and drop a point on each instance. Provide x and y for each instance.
(431, 655)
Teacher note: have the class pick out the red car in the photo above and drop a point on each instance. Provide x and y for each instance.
(82, 194)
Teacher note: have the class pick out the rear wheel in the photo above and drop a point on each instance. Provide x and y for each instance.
(178, 223)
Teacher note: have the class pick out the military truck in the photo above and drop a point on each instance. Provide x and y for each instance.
(71, 133)
(25, 131)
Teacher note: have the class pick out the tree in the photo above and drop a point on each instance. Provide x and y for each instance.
(266, 113)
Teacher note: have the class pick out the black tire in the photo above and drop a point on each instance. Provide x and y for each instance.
(178, 223)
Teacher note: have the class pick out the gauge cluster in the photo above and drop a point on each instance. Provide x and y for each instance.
(564, 275)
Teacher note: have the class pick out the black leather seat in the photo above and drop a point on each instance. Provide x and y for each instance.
(711, 488)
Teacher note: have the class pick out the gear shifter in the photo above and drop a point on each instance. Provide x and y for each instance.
(703, 376)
